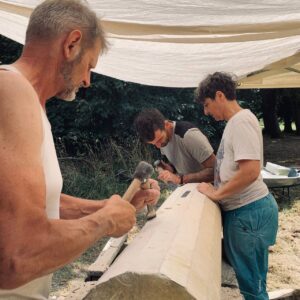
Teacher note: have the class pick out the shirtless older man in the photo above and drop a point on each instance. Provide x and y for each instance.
(42, 229)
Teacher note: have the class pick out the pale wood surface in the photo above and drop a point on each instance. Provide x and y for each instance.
(285, 294)
(113, 246)
(177, 255)
(107, 255)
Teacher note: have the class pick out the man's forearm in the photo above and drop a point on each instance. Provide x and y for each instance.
(205, 175)
(51, 244)
(247, 173)
(74, 208)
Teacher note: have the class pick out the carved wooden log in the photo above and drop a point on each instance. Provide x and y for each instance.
(175, 256)
(286, 294)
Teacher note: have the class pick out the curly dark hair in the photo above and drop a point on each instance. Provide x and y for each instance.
(147, 122)
(218, 81)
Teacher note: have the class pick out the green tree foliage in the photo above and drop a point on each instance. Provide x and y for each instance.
(289, 109)
(9, 50)
(251, 99)
(280, 106)
(107, 109)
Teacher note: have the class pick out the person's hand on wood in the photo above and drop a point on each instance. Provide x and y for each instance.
(208, 190)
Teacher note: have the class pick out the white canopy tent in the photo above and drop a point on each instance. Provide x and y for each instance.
(176, 43)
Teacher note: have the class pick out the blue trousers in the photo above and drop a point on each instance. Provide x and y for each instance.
(248, 232)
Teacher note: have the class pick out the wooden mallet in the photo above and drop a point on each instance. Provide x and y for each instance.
(141, 175)
(112, 248)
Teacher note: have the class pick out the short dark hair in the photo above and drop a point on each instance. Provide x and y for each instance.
(219, 81)
(147, 122)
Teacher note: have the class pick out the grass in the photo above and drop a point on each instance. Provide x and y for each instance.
(104, 171)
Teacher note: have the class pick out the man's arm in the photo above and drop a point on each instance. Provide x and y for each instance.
(31, 244)
(247, 173)
(73, 208)
(200, 149)
(205, 175)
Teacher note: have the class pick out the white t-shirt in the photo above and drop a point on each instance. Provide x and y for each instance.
(242, 139)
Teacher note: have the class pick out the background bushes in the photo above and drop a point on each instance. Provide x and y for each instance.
(94, 135)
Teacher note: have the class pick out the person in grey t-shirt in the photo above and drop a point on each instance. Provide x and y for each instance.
(250, 212)
(187, 149)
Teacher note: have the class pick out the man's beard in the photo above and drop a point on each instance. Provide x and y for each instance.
(70, 90)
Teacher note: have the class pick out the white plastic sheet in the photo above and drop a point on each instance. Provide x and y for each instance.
(177, 43)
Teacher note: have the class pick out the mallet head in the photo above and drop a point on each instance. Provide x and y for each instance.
(157, 163)
(143, 171)
(158, 166)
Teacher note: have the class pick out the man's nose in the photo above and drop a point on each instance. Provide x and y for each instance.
(87, 81)
(205, 111)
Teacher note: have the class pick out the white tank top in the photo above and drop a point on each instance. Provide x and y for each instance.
(40, 288)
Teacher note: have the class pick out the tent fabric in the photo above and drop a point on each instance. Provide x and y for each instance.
(176, 43)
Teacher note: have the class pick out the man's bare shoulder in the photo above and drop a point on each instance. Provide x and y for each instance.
(19, 108)
(14, 84)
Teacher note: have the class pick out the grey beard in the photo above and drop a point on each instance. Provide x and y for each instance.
(69, 94)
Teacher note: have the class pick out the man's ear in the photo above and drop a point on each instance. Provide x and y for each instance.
(72, 44)
(219, 96)
(168, 124)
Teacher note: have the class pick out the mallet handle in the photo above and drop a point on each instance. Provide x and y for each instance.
(132, 189)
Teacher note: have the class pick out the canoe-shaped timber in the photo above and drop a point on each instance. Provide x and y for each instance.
(175, 256)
